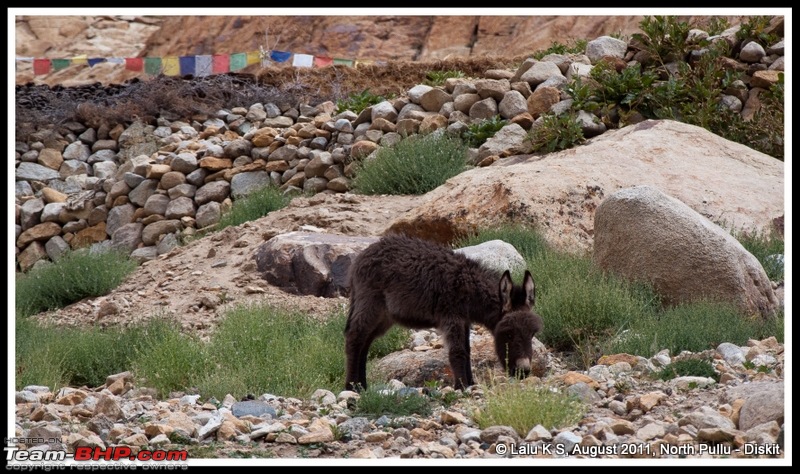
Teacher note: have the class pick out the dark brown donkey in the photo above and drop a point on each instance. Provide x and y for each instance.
(420, 284)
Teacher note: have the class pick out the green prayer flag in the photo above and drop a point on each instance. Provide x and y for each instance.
(343, 62)
(152, 66)
(238, 61)
(59, 64)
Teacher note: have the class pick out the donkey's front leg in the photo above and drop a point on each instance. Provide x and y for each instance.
(457, 337)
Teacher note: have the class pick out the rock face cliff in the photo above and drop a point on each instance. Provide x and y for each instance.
(406, 38)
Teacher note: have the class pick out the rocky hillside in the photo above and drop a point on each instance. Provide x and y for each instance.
(403, 38)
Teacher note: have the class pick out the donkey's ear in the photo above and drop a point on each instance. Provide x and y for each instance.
(530, 288)
(506, 287)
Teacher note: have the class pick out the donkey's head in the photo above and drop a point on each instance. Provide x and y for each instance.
(514, 333)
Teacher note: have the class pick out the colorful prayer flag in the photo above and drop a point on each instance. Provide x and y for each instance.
(238, 61)
(134, 64)
(303, 60)
(343, 62)
(81, 59)
(279, 56)
(322, 61)
(152, 66)
(187, 65)
(220, 63)
(202, 65)
(59, 64)
(253, 57)
(170, 66)
(93, 61)
(41, 66)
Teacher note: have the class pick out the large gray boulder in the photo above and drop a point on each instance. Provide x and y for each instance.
(646, 235)
(495, 255)
(310, 263)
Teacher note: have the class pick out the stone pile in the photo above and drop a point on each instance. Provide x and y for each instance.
(144, 187)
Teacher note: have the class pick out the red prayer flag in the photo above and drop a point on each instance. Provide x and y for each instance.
(134, 64)
(322, 61)
(220, 63)
(41, 66)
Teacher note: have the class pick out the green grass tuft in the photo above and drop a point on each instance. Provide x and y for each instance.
(254, 206)
(379, 400)
(688, 367)
(438, 78)
(358, 102)
(556, 133)
(523, 406)
(477, 133)
(77, 275)
(414, 165)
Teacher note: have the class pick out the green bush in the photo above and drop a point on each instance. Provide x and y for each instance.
(583, 307)
(664, 38)
(39, 356)
(77, 275)
(555, 133)
(438, 78)
(380, 400)
(523, 406)
(477, 133)
(414, 165)
(254, 206)
(358, 102)
(575, 46)
(754, 29)
(688, 367)
(694, 327)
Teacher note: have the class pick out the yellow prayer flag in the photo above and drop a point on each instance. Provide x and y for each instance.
(81, 59)
(253, 57)
(171, 66)
(365, 62)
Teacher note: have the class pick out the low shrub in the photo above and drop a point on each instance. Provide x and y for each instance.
(438, 78)
(357, 102)
(379, 400)
(688, 367)
(77, 275)
(254, 206)
(414, 165)
(477, 133)
(522, 407)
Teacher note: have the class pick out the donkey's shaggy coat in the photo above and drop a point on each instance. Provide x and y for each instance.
(420, 284)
